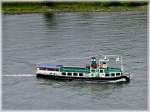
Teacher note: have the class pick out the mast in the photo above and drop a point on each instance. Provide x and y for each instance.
(119, 58)
(122, 68)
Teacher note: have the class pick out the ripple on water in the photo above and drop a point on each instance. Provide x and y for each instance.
(41, 38)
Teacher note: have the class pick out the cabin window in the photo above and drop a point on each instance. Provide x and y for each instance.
(63, 73)
(52, 69)
(107, 74)
(93, 70)
(42, 68)
(101, 71)
(75, 74)
(69, 74)
(80, 74)
(112, 74)
(117, 74)
(104, 62)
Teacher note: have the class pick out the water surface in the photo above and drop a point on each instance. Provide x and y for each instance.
(48, 38)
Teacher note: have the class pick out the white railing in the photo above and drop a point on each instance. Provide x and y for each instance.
(118, 58)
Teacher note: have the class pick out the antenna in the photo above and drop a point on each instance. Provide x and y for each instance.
(105, 57)
(119, 58)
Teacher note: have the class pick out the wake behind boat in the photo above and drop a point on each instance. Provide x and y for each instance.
(100, 71)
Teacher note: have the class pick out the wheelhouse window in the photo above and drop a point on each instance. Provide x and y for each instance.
(75, 74)
(63, 73)
(101, 71)
(42, 68)
(107, 74)
(104, 62)
(69, 74)
(80, 74)
(117, 74)
(112, 74)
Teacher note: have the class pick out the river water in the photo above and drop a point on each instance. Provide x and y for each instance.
(49, 38)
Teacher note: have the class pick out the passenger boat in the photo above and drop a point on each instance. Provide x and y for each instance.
(100, 71)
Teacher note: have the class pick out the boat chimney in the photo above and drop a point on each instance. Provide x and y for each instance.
(93, 62)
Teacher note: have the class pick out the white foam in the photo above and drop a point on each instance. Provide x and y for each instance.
(119, 80)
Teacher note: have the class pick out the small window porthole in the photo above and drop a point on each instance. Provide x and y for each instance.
(117, 74)
(80, 74)
(101, 71)
(69, 74)
(112, 74)
(75, 74)
(107, 74)
(63, 73)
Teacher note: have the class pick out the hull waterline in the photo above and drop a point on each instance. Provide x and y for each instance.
(117, 79)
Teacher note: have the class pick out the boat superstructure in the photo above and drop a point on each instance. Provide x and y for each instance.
(99, 71)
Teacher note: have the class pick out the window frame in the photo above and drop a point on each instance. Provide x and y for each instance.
(107, 74)
(118, 73)
(63, 73)
(81, 74)
(69, 74)
(113, 75)
(101, 70)
(75, 73)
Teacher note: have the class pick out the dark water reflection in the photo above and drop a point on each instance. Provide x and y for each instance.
(50, 20)
(43, 38)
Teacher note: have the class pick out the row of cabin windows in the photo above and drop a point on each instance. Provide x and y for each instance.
(49, 69)
(101, 71)
(72, 74)
(112, 74)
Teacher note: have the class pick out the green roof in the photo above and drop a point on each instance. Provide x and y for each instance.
(87, 70)
(74, 69)
(109, 69)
